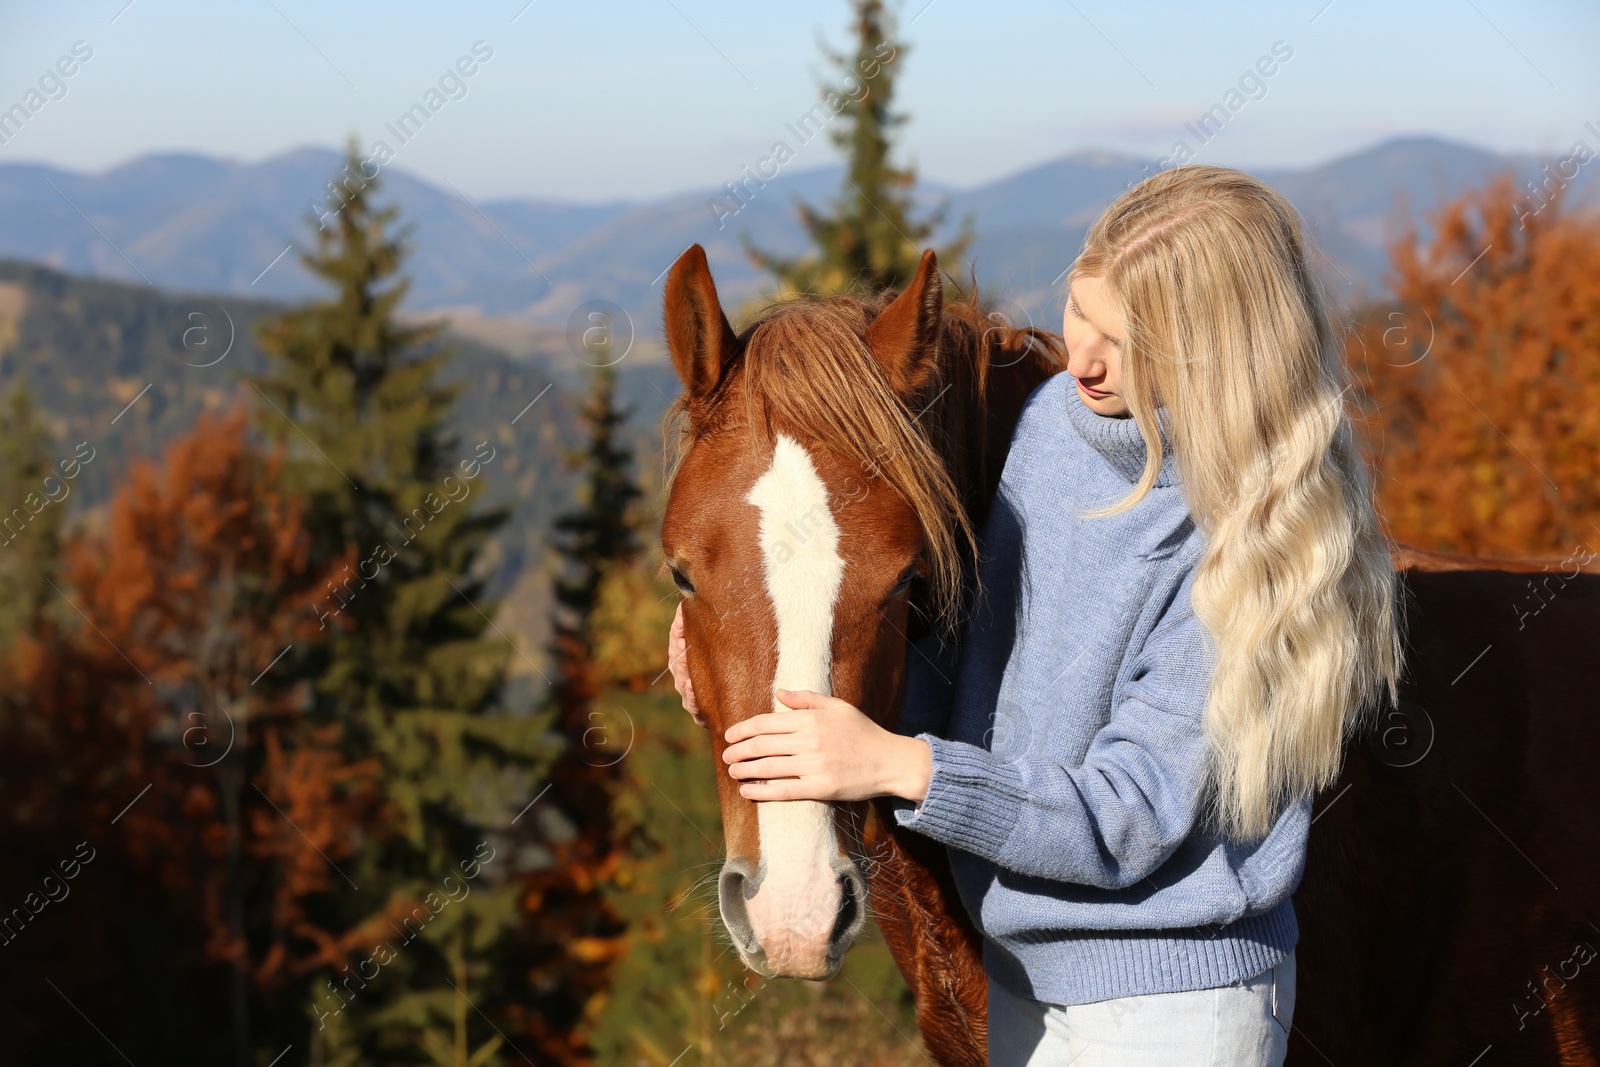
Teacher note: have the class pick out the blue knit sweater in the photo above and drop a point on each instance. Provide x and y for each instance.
(1068, 759)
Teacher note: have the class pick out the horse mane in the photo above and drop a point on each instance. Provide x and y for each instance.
(803, 362)
(988, 367)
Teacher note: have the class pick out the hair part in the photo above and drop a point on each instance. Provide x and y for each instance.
(1228, 353)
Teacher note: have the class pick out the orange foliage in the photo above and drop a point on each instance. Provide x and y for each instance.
(198, 584)
(1484, 379)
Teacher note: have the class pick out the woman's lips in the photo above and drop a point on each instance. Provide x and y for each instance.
(1095, 393)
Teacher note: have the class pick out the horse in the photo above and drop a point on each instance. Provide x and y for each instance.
(831, 463)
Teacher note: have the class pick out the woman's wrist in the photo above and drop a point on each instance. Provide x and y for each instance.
(913, 768)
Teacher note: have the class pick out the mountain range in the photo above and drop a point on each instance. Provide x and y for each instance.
(513, 271)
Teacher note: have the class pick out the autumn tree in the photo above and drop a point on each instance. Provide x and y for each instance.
(1482, 377)
(871, 239)
(177, 750)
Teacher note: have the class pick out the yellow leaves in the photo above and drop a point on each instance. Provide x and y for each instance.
(593, 949)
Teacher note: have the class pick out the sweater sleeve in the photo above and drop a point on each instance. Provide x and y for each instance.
(1111, 820)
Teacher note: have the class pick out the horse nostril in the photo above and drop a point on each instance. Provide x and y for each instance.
(734, 888)
(852, 912)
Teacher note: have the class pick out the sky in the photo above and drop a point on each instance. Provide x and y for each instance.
(595, 100)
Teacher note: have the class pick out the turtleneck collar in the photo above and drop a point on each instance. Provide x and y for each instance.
(1119, 441)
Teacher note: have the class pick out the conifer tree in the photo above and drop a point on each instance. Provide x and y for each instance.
(870, 241)
(355, 396)
(604, 528)
(597, 537)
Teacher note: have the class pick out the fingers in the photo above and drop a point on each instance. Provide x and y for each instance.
(784, 789)
(806, 699)
(690, 704)
(678, 665)
(768, 722)
(770, 767)
(783, 744)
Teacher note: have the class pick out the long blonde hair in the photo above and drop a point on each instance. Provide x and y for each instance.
(1228, 345)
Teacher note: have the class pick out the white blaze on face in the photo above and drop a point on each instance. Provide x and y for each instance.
(798, 897)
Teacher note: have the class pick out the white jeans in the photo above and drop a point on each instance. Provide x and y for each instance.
(1243, 1025)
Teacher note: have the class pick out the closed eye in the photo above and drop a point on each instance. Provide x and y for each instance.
(685, 586)
(906, 579)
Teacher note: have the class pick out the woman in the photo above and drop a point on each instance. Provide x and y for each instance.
(1187, 604)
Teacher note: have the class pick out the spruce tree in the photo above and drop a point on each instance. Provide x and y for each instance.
(603, 529)
(870, 241)
(406, 671)
(593, 540)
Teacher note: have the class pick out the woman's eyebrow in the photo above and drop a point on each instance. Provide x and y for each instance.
(1072, 306)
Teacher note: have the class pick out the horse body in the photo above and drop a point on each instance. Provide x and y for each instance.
(1452, 873)
(1452, 878)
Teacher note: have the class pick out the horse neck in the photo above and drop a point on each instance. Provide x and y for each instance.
(987, 376)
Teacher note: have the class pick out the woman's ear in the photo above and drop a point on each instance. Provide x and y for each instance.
(904, 338)
(699, 338)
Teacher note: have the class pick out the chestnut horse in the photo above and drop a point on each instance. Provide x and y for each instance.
(830, 459)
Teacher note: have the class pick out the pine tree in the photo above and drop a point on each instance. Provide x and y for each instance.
(354, 394)
(570, 895)
(870, 241)
(604, 528)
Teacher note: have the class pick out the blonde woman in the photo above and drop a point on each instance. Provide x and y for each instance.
(1187, 605)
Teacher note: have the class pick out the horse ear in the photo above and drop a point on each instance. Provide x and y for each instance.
(905, 336)
(698, 335)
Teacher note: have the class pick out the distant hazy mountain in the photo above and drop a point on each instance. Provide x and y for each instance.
(197, 224)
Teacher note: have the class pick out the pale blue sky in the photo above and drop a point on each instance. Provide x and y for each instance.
(601, 99)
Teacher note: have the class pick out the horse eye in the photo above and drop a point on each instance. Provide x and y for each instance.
(685, 586)
(905, 581)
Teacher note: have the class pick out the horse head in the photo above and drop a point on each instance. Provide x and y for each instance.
(813, 526)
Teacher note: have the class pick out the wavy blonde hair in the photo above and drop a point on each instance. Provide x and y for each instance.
(1228, 350)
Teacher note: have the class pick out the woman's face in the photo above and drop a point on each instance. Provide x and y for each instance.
(1093, 330)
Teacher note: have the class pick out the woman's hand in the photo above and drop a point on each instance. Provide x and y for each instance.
(679, 666)
(825, 749)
